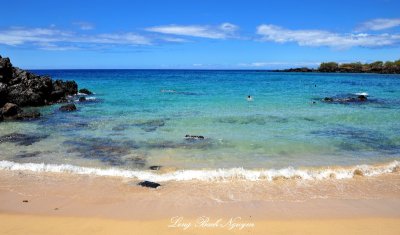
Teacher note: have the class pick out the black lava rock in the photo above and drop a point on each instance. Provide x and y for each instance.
(155, 168)
(68, 108)
(85, 91)
(149, 184)
(24, 88)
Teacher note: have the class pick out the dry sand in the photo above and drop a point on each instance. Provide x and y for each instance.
(71, 204)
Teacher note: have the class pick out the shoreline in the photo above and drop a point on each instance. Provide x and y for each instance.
(165, 174)
(62, 203)
(112, 197)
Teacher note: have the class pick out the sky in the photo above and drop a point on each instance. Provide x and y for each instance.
(197, 34)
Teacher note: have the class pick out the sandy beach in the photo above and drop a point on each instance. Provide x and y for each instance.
(50, 203)
(200, 117)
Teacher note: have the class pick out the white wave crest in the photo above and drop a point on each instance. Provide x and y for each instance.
(211, 175)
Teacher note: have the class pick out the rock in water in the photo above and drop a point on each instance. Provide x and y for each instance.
(149, 184)
(24, 88)
(85, 91)
(362, 98)
(194, 137)
(82, 99)
(13, 112)
(155, 168)
(350, 99)
(10, 109)
(68, 108)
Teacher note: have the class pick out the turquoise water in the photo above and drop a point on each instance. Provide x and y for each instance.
(139, 118)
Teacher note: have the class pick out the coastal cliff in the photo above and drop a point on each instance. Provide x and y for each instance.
(20, 88)
(24, 88)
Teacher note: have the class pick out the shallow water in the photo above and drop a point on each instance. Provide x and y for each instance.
(139, 118)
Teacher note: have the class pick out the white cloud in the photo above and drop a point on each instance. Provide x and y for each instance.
(222, 31)
(84, 25)
(124, 38)
(379, 24)
(325, 38)
(51, 38)
(55, 47)
(173, 39)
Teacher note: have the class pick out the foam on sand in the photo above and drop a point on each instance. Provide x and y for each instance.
(212, 174)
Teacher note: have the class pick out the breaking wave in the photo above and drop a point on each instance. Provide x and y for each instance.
(212, 174)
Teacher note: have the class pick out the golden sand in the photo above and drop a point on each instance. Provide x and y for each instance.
(44, 225)
(50, 203)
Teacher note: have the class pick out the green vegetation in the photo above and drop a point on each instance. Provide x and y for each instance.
(388, 67)
(375, 67)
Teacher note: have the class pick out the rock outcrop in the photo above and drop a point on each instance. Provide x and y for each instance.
(68, 108)
(85, 91)
(11, 111)
(24, 88)
(359, 98)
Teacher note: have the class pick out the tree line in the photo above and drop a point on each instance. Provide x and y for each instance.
(389, 67)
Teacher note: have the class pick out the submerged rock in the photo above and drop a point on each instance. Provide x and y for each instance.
(149, 184)
(116, 153)
(150, 125)
(27, 155)
(82, 99)
(27, 115)
(358, 139)
(22, 139)
(67, 108)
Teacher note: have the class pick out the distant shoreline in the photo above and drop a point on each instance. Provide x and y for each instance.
(295, 70)
(377, 67)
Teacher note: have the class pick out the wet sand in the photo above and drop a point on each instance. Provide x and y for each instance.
(51, 203)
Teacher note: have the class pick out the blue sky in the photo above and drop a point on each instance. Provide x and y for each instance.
(198, 34)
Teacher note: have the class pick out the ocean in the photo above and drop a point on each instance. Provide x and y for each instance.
(139, 118)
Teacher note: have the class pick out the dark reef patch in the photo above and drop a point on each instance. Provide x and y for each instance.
(25, 154)
(254, 120)
(150, 125)
(309, 119)
(146, 125)
(104, 149)
(22, 139)
(355, 139)
(347, 99)
(206, 143)
(243, 120)
(120, 127)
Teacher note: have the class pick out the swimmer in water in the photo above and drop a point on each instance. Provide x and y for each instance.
(249, 98)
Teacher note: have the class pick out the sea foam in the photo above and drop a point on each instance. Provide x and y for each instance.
(211, 174)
